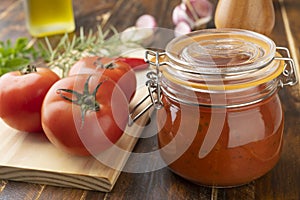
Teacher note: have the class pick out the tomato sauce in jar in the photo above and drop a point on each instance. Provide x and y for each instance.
(248, 146)
(220, 120)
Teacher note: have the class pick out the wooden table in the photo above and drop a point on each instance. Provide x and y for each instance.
(283, 182)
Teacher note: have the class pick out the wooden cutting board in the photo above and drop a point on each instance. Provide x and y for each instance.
(32, 158)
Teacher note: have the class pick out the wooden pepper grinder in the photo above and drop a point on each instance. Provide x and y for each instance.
(254, 15)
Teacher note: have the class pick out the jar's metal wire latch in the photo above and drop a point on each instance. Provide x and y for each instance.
(290, 71)
(153, 86)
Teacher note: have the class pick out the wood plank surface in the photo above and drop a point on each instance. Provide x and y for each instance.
(282, 183)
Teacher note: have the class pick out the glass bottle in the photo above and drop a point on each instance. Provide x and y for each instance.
(49, 17)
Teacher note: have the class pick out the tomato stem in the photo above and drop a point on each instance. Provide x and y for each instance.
(86, 100)
(99, 64)
(29, 69)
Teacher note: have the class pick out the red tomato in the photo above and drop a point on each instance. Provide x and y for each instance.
(84, 114)
(117, 70)
(22, 95)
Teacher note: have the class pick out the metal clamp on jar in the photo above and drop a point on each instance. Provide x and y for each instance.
(219, 116)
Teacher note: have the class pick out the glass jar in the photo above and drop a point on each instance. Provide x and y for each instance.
(220, 119)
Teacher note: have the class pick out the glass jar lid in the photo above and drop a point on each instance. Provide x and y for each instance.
(221, 51)
(222, 58)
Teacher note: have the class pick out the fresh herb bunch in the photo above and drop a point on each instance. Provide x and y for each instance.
(70, 50)
(16, 56)
(64, 55)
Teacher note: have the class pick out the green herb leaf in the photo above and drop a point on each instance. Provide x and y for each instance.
(14, 57)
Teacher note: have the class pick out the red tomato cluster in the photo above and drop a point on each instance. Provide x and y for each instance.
(83, 114)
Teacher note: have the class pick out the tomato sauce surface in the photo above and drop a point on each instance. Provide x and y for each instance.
(221, 147)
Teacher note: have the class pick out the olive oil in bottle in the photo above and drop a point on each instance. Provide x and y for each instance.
(49, 17)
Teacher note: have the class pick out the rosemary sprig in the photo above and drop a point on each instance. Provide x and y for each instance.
(69, 50)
